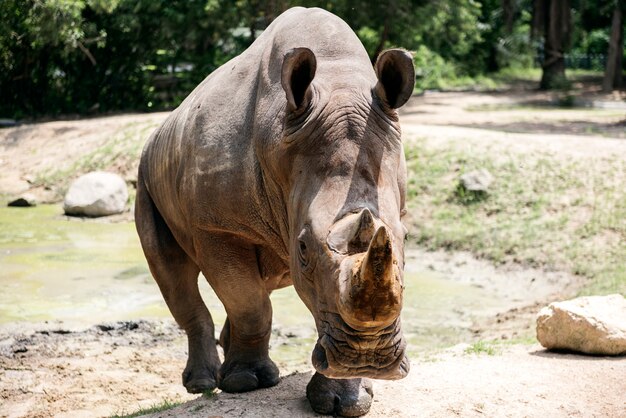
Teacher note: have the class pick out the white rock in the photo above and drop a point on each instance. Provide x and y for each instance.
(477, 181)
(591, 324)
(96, 194)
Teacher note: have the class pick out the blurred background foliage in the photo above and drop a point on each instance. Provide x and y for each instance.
(89, 56)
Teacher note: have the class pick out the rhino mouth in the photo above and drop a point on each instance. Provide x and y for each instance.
(343, 352)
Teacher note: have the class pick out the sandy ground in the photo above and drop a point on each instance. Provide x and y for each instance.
(518, 382)
(32, 149)
(492, 121)
(55, 369)
(52, 371)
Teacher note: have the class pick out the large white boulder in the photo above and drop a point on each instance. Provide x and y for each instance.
(95, 194)
(591, 324)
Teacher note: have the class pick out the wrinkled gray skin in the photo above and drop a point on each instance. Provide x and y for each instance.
(285, 166)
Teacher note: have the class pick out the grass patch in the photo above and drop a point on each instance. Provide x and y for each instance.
(209, 393)
(482, 347)
(513, 75)
(503, 79)
(163, 406)
(541, 211)
(118, 154)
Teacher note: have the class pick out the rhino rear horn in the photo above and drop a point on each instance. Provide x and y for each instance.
(353, 233)
(297, 73)
(396, 77)
(363, 234)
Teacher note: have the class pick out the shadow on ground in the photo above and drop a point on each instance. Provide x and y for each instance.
(287, 399)
(571, 127)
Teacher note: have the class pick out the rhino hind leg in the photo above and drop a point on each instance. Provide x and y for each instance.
(232, 270)
(177, 277)
(342, 397)
(224, 340)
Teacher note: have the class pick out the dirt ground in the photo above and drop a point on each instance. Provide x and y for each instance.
(31, 150)
(56, 369)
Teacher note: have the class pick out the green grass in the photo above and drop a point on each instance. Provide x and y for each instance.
(541, 211)
(504, 78)
(118, 153)
(166, 405)
(482, 347)
(163, 406)
(512, 75)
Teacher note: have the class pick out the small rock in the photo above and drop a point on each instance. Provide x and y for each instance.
(24, 201)
(7, 123)
(96, 194)
(591, 325)
(477, 180)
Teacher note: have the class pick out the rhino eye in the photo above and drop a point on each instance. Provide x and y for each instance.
(302, 249)
(302, 253)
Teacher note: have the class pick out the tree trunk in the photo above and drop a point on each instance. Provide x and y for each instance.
(509, 9)
(613, 74)
(556, 38)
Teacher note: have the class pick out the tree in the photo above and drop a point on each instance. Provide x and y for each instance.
(613, 74)
(553, 18)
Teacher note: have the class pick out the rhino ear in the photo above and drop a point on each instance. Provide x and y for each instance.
(297, 73)
(396, 77)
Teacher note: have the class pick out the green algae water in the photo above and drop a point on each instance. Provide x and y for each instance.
(57, 268)
(54, 267)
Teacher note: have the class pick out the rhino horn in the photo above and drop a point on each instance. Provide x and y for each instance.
(374, 295)
(364, 233)
(352, 234)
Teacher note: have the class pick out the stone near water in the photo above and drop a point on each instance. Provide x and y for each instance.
(591, 325)
(7, 123)
(477, 180)
(24, 201)
(96, 194)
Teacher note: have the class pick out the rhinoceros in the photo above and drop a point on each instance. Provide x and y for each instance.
(285, 166)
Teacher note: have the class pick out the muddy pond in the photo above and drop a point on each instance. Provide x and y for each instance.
(89, 272)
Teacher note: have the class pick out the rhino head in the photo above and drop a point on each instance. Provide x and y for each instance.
(342, 167)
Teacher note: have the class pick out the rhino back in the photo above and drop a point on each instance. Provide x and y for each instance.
(204, 166)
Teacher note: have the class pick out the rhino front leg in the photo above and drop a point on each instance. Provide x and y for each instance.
(343, 397)
(232, 271)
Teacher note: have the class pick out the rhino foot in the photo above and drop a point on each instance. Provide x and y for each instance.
(199, 379)
(343, 397)
(244, 377)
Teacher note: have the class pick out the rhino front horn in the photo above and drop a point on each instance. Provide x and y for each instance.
(373, 297)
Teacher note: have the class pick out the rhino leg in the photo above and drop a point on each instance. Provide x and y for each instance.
(177, 277)
(343, 397)
(225, 336)
(233, 273)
